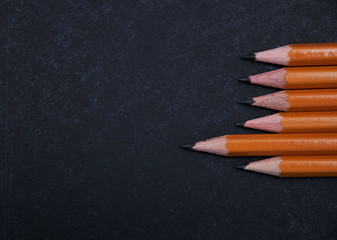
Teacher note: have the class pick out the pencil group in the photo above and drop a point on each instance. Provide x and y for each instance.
(304, 138)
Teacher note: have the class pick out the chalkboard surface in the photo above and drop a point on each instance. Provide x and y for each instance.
(97, 97)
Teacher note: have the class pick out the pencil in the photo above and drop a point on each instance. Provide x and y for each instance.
(297, 100)
(296, 166)
(269, 144)
(309, 54)
(296, 78)
(295, 122)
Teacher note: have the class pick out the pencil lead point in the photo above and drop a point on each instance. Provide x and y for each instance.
(248, 101)
(241, 124)
(188, 146)
(245, 80)
(250, 56)
(241, 166)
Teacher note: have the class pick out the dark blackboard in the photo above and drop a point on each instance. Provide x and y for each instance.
(97, 97)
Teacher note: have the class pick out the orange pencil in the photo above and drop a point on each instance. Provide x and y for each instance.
(269, 144)
(297, 100)
(295, 122)
(309, 54)
(296, 166)
(297, 78)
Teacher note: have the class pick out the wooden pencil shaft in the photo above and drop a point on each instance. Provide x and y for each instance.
(296, 166)
(271, 144)
(299, 100)
(298, 78)
(296, 122)
(316, 54)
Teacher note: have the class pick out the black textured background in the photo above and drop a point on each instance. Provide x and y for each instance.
(97, 97)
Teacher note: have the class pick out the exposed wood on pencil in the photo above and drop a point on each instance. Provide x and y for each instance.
(271, 123)
(296, 166)
(270, 166)
(299, 55)
(270, 144)
(298, 100)
(295, 122)
(297, 78)
(277, 101)
(274, 78)
(216, 145)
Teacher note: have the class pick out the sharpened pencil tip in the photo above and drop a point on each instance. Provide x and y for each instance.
(250, 56)
(241, 166)
(248, 101)
(245, 80)
(188, 146)
(241, 124)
